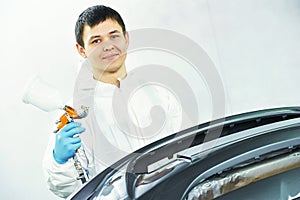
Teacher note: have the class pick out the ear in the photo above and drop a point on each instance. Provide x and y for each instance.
(81, 50)
(127, 39)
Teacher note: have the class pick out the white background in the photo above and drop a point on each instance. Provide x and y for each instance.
(254, 44)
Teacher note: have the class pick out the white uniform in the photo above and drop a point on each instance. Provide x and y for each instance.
(120, 121)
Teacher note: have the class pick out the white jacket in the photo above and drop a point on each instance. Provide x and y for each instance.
(119, 122)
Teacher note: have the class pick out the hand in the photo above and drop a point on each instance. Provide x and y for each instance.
(66, 144)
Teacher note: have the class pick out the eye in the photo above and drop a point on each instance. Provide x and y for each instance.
(96, 41)
(114, 36)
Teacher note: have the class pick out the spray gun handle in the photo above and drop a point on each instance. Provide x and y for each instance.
(80, 170)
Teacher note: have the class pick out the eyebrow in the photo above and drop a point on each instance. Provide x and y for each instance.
(98, 36)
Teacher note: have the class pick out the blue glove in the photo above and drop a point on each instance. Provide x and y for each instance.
(66, 144)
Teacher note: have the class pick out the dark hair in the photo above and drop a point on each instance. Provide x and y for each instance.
(93, 16)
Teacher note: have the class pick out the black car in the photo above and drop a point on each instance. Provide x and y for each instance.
(254, 155)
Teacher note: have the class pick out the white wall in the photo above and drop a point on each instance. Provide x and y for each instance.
(254, 44)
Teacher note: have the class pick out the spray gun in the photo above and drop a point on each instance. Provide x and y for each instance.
(67, 117)
(47, 98)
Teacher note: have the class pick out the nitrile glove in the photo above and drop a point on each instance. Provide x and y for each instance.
(66, 144)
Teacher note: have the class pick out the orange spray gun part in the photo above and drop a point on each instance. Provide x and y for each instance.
(69, 115)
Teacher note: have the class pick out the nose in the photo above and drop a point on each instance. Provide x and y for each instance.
(107, 46)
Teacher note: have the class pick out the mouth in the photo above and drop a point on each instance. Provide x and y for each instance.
(110, 56)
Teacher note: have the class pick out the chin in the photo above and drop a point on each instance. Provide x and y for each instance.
(112, 69)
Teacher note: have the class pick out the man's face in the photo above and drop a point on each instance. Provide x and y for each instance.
(105, 46)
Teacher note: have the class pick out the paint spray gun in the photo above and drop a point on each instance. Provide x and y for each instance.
(47, 98)
(67, 117)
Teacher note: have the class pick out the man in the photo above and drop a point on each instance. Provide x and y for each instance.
(106, 135)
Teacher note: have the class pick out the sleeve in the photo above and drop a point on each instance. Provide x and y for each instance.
(62, 178)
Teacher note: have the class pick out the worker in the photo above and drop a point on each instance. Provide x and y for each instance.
(120, 121)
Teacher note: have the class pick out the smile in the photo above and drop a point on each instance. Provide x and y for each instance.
(110, 56)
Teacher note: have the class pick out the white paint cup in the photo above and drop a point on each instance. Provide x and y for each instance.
(42, 95)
